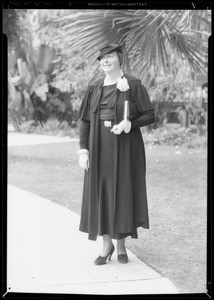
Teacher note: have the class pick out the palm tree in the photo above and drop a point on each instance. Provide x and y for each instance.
(150, 38)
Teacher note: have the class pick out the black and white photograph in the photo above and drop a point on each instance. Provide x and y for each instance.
(107, 149)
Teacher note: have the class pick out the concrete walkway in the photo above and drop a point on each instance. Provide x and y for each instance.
(21, 139)
(48, 254)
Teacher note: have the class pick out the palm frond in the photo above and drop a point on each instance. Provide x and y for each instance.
(149, 34)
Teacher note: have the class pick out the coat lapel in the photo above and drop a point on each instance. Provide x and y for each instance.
(97, 93)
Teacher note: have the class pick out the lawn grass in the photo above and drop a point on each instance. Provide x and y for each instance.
(175, 244)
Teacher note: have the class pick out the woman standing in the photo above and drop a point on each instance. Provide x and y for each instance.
(114, 202)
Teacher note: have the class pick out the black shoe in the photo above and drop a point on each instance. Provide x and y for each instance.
(101, 260)
(122, 258)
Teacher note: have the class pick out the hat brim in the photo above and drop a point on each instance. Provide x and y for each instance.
(106, 51)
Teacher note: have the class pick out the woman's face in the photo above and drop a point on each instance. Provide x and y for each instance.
(110, 62)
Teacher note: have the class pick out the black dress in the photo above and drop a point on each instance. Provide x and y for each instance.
(106, 165)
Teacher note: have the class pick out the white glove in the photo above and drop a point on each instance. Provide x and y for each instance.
(83, 158)
(122, 126)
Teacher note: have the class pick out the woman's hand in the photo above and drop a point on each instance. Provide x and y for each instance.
(84, 159)
(122, 126)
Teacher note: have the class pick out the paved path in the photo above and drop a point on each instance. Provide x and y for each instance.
(21, 139)
(48, 254)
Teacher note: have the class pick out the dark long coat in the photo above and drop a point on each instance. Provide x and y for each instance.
(130, 197)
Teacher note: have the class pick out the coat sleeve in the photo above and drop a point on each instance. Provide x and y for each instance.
(141, 97)
(84, 116)
(144, 106)
(84, 111)
(84, 130)
(146, 118)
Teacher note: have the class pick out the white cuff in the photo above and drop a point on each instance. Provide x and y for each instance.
(83, 151)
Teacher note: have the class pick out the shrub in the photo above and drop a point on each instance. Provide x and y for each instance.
(52, 127)
(175, 135)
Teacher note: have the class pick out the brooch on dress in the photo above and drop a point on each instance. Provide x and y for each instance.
(122, 84)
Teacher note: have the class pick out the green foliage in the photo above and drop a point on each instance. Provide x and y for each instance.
(41, 91)
(60, 49)
(177, 92)
(50, 66)
(57, 105)
(15, 118)
(149, 37)
(52, 127)
(12, 26)
(175, 135)
(66, 76)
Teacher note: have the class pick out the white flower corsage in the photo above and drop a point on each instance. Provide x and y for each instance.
(122, 84)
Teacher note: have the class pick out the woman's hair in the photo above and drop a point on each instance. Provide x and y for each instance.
(120, 57)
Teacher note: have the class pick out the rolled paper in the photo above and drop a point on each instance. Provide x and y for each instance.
(126, 111)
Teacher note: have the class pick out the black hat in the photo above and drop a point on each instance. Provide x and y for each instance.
(109, 48)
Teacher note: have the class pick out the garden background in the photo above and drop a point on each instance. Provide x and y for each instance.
(52, 58)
